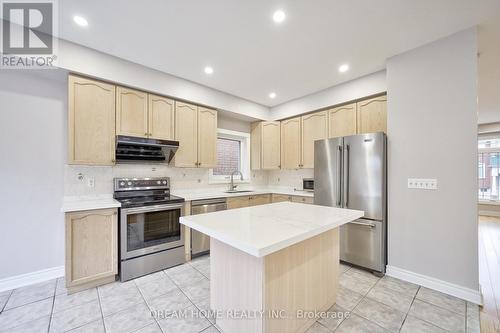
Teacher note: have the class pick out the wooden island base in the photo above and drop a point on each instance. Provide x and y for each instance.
(301, 277)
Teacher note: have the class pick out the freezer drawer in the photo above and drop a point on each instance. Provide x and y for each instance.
(362, 244)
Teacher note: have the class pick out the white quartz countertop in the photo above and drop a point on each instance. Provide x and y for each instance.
(80, 203)
(199, 194)
(262, 230)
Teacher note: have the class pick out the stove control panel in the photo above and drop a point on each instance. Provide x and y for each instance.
(135, 184)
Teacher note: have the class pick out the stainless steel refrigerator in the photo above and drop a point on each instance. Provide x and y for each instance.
(350, 172)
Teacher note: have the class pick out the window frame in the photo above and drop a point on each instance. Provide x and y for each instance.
(485, 150)
(244, 139)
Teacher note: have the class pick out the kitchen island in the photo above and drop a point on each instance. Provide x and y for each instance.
(273, 265)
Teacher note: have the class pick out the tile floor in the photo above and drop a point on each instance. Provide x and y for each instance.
(374, 305)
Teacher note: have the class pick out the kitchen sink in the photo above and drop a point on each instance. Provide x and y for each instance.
(238, 191)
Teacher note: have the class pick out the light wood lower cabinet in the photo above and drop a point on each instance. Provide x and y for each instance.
(91, 122)
(372, 115)
(248, 200)
(91, 248)
(281, 198)
(292, 198)
(301, 199)
(265, 145)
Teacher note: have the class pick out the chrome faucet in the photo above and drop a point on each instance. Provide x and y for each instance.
(232, 187)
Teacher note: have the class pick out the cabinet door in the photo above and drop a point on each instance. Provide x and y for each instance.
(290, 143)
(372, 115)
(186, 132)
(307, 200)
(91, 122)
(314, 127)
(256, 146)
(238, 202)
(342, 121)
(260, 199)
(207, 138)
(270, 145)
(131, 112)
(161, 117)
(91, 246)
(281, 198)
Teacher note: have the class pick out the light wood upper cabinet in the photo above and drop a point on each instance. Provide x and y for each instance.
(291, 143)
(265, 145)
(372, 115)
(91, 122)
(196, 131)
(186, 132)
(91, 248)
(342, 121)
(207, 138)
(161, 117)
(131, 112)
(314, 127)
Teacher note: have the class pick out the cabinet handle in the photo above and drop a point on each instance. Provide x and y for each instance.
(146, 134)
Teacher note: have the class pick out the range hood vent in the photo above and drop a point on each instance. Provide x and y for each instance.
(133, 149)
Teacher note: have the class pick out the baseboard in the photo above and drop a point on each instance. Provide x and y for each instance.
(31, 278)
(489, 213)
(467, 294)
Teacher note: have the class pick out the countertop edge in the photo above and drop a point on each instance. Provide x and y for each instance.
(272, 248)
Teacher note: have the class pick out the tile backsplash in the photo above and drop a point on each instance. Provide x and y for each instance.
(77, 177)
(290, 178)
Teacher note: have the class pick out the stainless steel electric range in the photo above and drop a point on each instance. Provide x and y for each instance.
(151, 237)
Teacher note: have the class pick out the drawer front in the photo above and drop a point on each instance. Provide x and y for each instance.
(307, 200)
(361, 244)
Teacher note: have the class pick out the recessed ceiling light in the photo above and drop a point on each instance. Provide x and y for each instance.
(272, 95)
(343, 68)
(279, 16)
(81, 21)
(209, 70)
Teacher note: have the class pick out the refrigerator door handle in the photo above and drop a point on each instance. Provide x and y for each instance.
(339, 178)
(346, 179)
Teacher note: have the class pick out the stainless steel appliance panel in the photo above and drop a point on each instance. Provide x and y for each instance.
(364, 174)
(361, 242)
(150, 229)
(139, 266)
(328, 172)
(200, 243)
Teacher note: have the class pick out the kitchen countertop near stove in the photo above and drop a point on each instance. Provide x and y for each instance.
(219, 192)
(81, 203)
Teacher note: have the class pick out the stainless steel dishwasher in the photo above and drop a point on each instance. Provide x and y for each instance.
(200, 243)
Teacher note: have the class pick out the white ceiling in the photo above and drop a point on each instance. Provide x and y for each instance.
(253, 56)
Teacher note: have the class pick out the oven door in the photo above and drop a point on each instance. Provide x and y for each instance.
(150, 229)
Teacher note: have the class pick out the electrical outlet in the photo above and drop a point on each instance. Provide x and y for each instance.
(91, 182)
(422, 184)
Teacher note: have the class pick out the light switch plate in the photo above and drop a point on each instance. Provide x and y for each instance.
(422, 184)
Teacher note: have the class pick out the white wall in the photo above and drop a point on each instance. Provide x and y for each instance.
(432, 132)
(33, 152)
(364, 86)
(80, 59)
